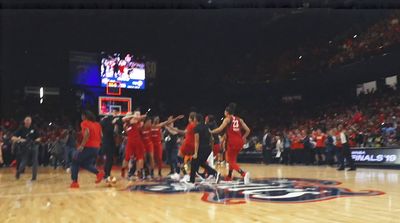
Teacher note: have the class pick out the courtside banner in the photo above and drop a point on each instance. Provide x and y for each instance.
(376, 156)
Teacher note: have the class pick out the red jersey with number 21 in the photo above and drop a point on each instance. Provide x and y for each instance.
(234, 131)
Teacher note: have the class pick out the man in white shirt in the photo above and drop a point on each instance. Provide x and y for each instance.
(279, 147)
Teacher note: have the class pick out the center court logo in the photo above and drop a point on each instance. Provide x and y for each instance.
(276, 190)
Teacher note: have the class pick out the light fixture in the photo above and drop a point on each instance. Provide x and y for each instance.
(41, 92)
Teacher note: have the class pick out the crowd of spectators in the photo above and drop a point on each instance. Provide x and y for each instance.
(345, 49)
(379, 36)
(370, 119)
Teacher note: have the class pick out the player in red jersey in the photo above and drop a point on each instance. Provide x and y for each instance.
(224, 154)
(88, 149)
(212, 124)
(134, 145)
(156, 136)
(234, 139)
(187, 147)
(148, 145)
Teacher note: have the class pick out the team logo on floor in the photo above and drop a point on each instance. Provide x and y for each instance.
(278, 190)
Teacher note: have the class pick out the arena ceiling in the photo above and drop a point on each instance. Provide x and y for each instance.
(198, 4)
(185, 43)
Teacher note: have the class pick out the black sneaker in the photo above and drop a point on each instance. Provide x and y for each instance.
(340, 168)
(352, 169)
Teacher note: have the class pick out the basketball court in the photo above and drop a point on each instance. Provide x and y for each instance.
(277, 194)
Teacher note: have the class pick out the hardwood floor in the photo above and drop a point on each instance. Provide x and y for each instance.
(49, 199)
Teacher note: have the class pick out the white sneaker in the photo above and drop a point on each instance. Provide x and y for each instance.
(111, 180)
(199, 176)
(185, 179)
(246, 178)
(189, 185)
(209, 180)
(68, 170)
(175, 177)
(210, 160)
(132, 178)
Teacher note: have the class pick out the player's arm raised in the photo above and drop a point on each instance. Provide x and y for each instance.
(162, 124)
(135, 120)
(221, 127)
(127, 118)
(182, 132)
(173, 132)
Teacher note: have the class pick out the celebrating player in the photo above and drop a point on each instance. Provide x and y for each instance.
(156, 138)
(235, 140)
(134, 145)
(148, 145)
(187, 148)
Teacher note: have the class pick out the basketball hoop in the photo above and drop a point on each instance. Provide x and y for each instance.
(107, 104)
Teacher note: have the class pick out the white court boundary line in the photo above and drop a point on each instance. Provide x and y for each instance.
(52, 193)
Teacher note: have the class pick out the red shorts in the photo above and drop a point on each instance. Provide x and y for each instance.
(148, 147)
(235, 146)
(135, 148)
(187, 149)
(158, 151)
(216, 149)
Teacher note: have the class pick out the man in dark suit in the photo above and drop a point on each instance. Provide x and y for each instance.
(27, 139)
(267, 146)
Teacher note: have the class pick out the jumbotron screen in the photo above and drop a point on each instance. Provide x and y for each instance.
(124, 69)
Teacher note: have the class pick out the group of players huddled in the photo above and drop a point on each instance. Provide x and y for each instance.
(144, 147)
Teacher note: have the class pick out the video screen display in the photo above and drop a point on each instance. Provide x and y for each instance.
(124, 69)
